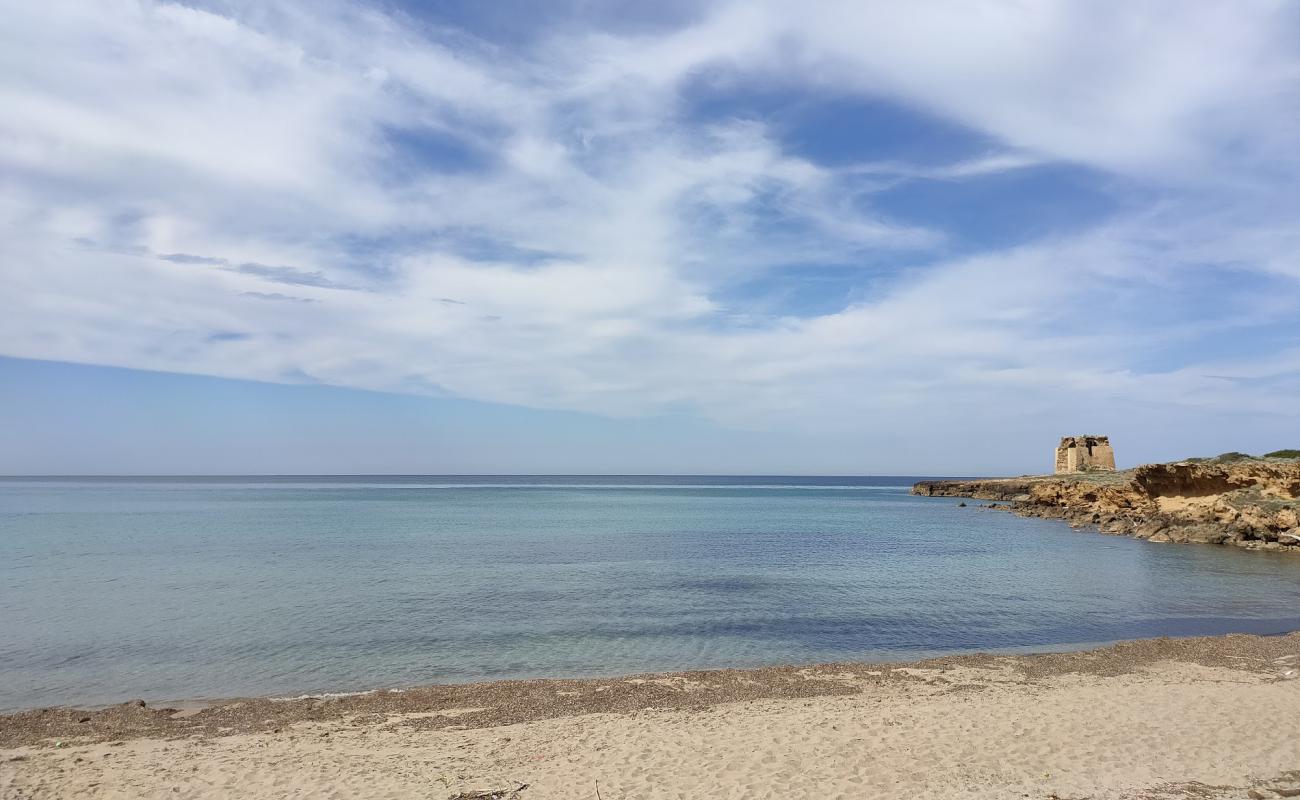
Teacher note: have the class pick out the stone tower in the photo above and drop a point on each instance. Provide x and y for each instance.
(1084, 454)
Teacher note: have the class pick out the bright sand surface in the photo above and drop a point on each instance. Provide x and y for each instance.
(992, 727)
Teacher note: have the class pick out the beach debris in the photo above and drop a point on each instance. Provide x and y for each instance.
(491, 794)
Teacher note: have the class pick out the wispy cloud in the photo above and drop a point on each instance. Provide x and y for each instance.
(276, 296)
(585, 257)
(186, 258)
(290, 276)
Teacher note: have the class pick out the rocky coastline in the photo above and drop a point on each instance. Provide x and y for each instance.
(1231, 500)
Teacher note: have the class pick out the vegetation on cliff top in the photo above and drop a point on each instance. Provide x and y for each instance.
(1234, 456)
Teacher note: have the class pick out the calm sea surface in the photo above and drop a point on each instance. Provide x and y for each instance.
(184, 588)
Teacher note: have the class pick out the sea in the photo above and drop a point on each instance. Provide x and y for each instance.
(196, 588)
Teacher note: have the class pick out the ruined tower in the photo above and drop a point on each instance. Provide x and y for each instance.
(1084, 454)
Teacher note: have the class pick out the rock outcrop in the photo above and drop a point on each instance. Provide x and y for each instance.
(1248, 502)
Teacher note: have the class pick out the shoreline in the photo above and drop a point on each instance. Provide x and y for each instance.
(200, 703)
(528, 700)
(1165, 719)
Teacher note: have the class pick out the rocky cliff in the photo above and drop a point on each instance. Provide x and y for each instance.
(1249, 502)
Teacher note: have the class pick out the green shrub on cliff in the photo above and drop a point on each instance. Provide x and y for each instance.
(1231, 456)
(1283, 454)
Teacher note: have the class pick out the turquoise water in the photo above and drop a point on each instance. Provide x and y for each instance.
(183, 588)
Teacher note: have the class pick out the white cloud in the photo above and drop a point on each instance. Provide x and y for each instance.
(1158, 87)
(171, 174)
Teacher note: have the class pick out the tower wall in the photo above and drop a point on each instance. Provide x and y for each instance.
(1084, 454)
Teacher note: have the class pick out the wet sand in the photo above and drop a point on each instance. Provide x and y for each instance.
(1204, 717)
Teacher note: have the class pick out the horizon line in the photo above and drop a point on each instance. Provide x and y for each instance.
(469, 475)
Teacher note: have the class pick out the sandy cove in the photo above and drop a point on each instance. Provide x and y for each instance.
(1186, 718)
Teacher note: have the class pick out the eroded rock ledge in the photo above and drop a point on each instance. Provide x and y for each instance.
(1252, 503)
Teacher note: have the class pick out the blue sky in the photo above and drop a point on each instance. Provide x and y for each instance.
(623, 237)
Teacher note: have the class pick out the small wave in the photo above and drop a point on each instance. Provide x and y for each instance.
(327, 695)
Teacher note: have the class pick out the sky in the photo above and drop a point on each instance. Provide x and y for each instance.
(922, 238)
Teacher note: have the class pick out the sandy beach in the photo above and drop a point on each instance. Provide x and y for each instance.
(1186, 718)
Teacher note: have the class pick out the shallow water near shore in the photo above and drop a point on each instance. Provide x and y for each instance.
(217, 587)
